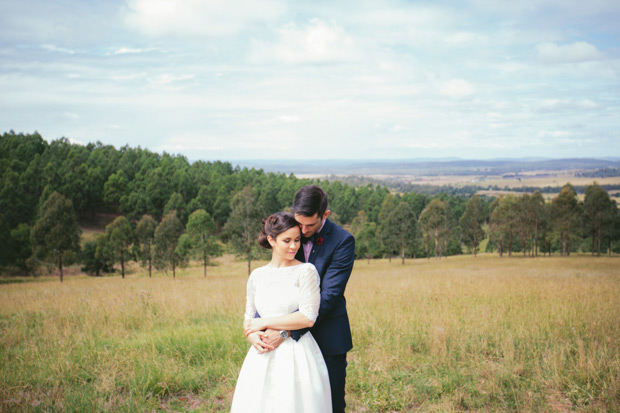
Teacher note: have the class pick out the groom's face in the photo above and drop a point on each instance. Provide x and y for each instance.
(310, 225)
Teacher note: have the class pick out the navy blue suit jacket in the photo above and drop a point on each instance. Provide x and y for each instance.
(333, 255)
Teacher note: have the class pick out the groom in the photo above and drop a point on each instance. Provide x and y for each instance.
(332, 251)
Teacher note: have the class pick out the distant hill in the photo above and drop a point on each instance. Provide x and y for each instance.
(428, 167)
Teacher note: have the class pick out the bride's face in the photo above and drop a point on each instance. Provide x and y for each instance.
(286, 243)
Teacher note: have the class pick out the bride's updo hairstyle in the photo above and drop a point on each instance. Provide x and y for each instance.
(274, 225)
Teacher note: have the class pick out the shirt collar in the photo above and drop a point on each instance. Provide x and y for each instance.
(322, 225)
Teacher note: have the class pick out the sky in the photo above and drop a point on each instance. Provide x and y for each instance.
(275, 79)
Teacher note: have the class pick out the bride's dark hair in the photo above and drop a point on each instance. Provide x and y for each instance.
(274, 225)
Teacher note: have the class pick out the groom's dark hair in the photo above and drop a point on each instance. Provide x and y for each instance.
(310, 200)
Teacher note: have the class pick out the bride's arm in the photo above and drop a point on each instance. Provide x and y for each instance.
(293, 321)
(308, 308)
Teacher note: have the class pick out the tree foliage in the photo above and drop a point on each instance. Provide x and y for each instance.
(145, 236)
(599, 215)
(472, 223)
(244, 225)
(566, 215)
(201, 231)
(166, 239)
(400, 229)
(367, 244)
(55, 236)
(120, 237)
(435, 221)
(101, 180)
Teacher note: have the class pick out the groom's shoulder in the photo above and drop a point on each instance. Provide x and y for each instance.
(338, 232)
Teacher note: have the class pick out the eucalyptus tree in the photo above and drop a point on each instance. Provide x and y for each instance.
(244, 225)
(201, 231)
(55, 236)
(120, 237)
(598, 211)
(367, 244)
(401, 222)
(472, 222)
(145, 235)
(538, 218)
(434, 221)
(566, 217)
(115, 188)
(166, 239)
(386, 236)
(504, 222)
(177, 203)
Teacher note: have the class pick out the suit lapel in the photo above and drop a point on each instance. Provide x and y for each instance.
(319, 241)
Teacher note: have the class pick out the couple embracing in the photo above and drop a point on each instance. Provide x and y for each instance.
(296, 317)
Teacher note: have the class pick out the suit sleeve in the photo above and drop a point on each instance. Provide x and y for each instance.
(336, 276)
(334, 281)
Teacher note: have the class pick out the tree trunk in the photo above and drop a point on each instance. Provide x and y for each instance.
(174, 267)
(123, 264)
(598, 243)
(150, 266)
(475, 246)
(402, 254)
(563, 241)
(60, 268)
(249, 266)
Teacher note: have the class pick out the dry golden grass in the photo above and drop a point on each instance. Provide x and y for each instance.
(462, 333)
(538, 179)
(467, 331)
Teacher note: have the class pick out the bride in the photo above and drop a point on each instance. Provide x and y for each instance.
(285, 294)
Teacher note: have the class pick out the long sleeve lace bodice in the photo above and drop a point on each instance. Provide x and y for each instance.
(273, 292)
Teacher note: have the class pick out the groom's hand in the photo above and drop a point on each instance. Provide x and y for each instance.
(272, 337)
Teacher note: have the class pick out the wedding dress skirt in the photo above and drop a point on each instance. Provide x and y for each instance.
(293, 377)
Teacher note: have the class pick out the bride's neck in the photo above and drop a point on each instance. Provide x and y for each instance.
(278, 262)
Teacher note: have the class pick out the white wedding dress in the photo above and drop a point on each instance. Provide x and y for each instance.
(293, 377)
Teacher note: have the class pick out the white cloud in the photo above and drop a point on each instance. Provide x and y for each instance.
(289, 118)
(317, 42)
(551, 105)
(462, 38)
(381, 79)
(198, 17)
(569, 53)
(165, 79)
(456, 88)
(53, 48)
(129, 50)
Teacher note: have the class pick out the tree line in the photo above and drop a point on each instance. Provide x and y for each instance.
(169, 210)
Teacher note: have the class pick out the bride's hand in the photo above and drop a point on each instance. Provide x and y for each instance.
(252, 325)
(256, 339)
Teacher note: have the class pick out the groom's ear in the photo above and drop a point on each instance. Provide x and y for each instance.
(326, 214)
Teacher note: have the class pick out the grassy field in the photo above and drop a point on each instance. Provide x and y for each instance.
(463, 333)
(538, 179)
